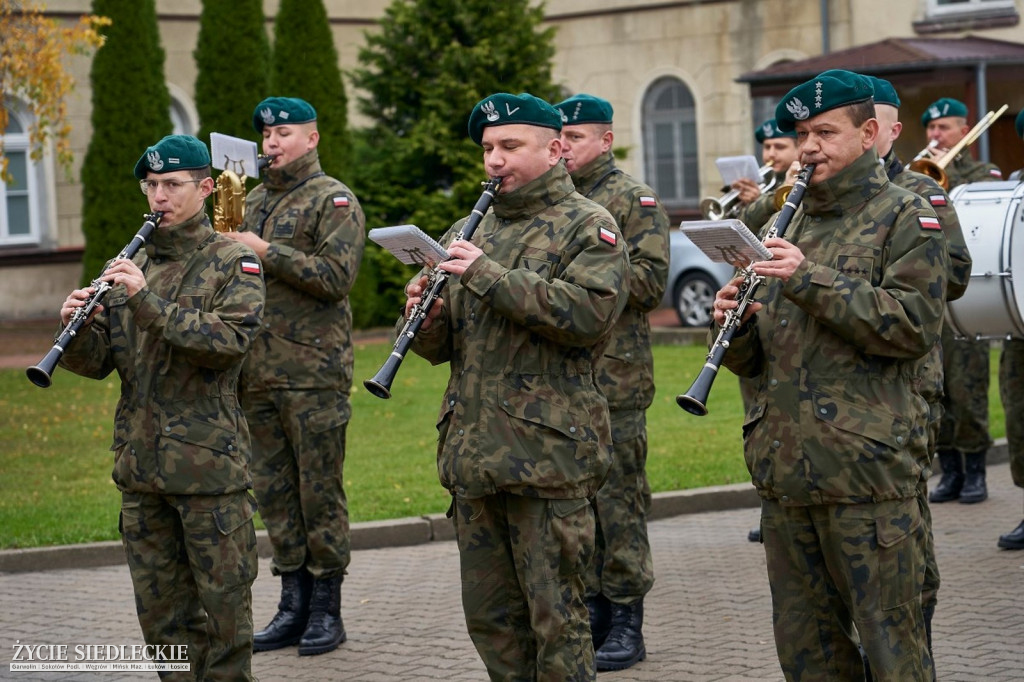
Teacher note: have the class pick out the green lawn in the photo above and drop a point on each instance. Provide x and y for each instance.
(55, 462)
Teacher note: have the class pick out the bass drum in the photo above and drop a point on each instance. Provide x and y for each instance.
(993, 224)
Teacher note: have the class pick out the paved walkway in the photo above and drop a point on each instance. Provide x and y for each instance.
(708, 617)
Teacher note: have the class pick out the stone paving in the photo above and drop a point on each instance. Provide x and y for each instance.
(708, 617)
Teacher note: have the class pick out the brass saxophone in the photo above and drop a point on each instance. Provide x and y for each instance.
(229, 197)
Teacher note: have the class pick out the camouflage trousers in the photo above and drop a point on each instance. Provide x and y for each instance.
(298, 458)
(1011, 391)
(522, 560)
(622, 569)
(965, 365)
(193, 561)
(837, 571)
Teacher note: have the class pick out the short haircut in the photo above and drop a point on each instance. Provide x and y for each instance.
(200, 173)
(860, 112)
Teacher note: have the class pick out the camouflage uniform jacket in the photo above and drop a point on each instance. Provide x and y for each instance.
(837, 419)
(626, 372)
(178, 346)
(959, 257)
(315, 227)
(964, 169)
(758, 212)
(523, 329)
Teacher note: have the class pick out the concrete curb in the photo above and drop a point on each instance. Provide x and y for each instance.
(404, 532)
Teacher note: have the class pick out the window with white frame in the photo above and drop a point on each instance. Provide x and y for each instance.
(938, 8)
(20, 192)
(670, 142)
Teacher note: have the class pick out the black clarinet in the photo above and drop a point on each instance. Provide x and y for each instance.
(695, 400)
(40, 374)
(380, 384)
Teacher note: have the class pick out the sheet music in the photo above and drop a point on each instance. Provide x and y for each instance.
(726, 241)
(733, 168)
(233, 154)
(409, 244)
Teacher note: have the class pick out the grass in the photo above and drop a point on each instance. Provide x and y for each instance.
(55, 462)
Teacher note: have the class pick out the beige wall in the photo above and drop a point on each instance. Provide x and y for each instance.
(612, 48)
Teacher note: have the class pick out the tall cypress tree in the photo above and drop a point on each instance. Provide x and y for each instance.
(130, 111)
(422, 72)
(233, 63)
(306, 66)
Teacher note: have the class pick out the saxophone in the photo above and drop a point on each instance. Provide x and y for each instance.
(229, 197)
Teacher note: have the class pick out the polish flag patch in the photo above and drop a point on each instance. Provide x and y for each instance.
(929, 223)
(250, 267)
(937, 200)
(996, 173)
(607, 235)
(648, 201)
(341, 201)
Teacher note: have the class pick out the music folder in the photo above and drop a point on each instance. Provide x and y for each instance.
(734, 168)
(409, 244)
(234, 154)
(726, 241)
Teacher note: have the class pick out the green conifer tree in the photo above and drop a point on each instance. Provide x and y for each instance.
(305, 65)
(233, 66)
(423, 71)
(130, 111)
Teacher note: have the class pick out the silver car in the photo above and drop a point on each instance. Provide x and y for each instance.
(693, 280)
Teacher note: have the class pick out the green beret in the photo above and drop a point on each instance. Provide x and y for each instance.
(585, 109)
(769, 130)
(829, 90)
(279, 111)
(942, 108)
(1019, 124)
(884, 92)
(173, 153)
(503, 109)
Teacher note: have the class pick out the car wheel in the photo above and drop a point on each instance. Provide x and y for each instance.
(694, 294)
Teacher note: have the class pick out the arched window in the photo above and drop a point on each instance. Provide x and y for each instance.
(19, 195)
(670, 143)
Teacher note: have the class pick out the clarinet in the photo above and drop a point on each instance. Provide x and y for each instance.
(695, 399)
(380, 384)
(40, 374)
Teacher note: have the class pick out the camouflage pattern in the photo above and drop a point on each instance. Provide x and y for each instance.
(837, 567)
(523, 329)
(298, 376)
(623, 569)
(835, 439)
(963, 169)
(524, 437)
(507, 541)
(1011, 389)
(758, 212)
(181, 443)
(193, 561)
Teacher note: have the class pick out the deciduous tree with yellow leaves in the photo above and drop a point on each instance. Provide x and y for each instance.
(32, 69)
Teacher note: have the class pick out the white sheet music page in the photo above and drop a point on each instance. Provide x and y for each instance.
(726, 241)
(409, 244)
(233, 154)
(733, 168)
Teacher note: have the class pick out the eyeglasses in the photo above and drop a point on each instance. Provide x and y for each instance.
(171, 187)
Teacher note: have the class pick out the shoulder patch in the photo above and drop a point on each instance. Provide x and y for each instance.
(937, 199)
(607, 235)
(251, 266)
(996, 173)
(648, 201)
(340, 201)
(929, 223)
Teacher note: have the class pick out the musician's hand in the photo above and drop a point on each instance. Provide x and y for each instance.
(414, 294)
(124, 271)
(463, 254)
(748, 190)
(785, 259)
(725, 300)
(75, 300)
(250, 239)
(791, 173)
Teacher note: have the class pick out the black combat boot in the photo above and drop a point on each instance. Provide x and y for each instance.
(1014, 539)
(952, 479)
(325, 630)
(288, 624)
(754, 535)
(624, 646)
(600, 618)
(974, 489)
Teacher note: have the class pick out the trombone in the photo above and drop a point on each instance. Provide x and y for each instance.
(728, 205)
(935, 169)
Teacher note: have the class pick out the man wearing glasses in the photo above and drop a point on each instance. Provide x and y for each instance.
(175, 326)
